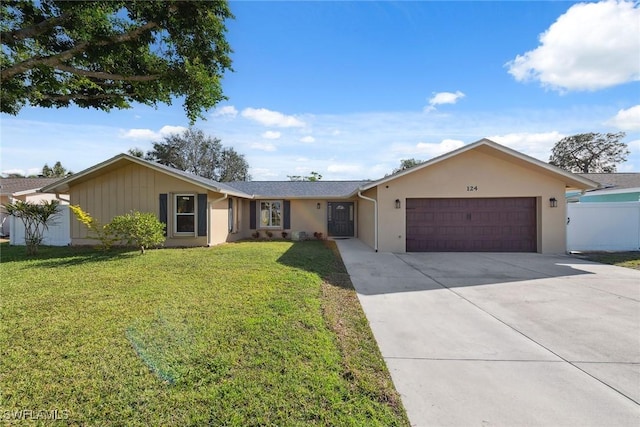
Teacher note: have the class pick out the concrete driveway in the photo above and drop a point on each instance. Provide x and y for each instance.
(475, 339)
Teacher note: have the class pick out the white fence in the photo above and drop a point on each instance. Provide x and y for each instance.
(603, 226)
(58, 234)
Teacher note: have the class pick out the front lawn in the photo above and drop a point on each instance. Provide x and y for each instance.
(252, 333)
(621, 259)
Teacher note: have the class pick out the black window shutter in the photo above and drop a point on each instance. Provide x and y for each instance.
(286, 222)
(202, 214)
(163, 211)
(252, 215)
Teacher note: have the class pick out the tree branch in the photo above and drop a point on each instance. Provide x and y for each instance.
(105, 76)
(56, 60)
(32, 30)
(73, 97)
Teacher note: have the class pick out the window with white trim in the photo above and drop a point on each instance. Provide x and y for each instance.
(185, 214)
(270, 213)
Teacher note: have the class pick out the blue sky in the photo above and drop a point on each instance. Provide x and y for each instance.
(348, 89)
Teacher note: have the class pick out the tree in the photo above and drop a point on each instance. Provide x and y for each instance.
(136, 152)
(107, 54)
(233, 166)
(406, 164)
(36, 218)
(590, 152)
(202, 155)
(58, 171)
(313, 176)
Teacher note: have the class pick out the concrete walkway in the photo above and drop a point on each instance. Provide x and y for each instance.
(474, 339)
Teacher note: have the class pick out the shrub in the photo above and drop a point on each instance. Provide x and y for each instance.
(36, 218)
(101, 232)
(143, 230)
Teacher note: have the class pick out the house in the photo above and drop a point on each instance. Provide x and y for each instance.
(606, 218)
(481, 197)
(614, 187)
(25, 189)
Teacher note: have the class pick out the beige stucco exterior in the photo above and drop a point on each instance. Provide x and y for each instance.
(458, 177)
(366, 217)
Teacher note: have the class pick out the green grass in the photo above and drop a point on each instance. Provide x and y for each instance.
(252, 333)
(621, 259)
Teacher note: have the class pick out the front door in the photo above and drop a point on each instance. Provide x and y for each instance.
(340, 219)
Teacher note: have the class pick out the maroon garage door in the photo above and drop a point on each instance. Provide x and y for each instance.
(472, 225)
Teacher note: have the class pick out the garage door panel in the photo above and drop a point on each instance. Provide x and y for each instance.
(474, 224)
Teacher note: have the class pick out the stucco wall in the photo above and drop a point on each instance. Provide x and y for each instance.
(219, 219)
(493, 177)
(365, 229)
(305, 216)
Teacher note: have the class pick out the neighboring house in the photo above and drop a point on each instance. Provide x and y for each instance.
(607, 218)
(614, 187)
(25, 189)
(481, 197)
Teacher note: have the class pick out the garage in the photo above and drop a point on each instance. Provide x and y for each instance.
(503, 224)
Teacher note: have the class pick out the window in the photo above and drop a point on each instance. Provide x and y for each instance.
(185, 213)
(270, 214)
(231, 216)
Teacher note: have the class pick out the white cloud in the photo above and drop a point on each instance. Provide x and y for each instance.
(427, 150)
(28, 172)
(628, 119)
(148, 134)
(344, 168)
(307, 139)
(228, 111)
(263, 146)
(271, 135)
(138, 134)
(536, 145)
(592, 46)
(443, 98)
(271, 118)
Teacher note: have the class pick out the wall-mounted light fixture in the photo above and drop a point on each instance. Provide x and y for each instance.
(318, 205)
(553, 202)
(397, 203)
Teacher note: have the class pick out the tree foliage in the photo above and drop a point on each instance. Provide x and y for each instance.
(136, 152)
(313, 176)
(406, 164)
(57, 171)
(100, 232)
(202, 155)
(590, 152)
(107, 54)
(36, 218)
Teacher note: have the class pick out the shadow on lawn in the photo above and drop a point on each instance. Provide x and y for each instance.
(319, 257)
(61, 256)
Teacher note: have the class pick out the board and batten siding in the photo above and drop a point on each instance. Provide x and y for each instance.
(132, 187)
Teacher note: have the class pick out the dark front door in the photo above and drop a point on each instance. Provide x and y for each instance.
(340, 219)
(472, 225)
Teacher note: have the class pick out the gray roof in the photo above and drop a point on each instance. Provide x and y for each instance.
(298, 189)
(8, 186)
(222, 186)
(614, 181)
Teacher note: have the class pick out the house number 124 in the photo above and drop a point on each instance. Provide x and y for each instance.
(472, 188)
